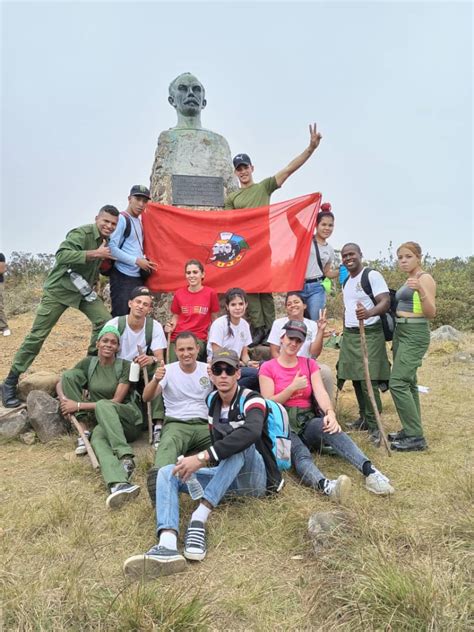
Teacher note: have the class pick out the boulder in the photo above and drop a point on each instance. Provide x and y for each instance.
(463, 356)
(322, 527)
(39, 381)
(446, 333)
(13, 421)
(28, 438)
(44, 416)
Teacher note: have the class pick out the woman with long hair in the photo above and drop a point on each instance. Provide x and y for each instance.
(416, 306)
(292, 381)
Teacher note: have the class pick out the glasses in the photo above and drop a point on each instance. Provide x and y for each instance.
(228, 370)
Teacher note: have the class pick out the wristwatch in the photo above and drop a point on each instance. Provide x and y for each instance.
(202, 458)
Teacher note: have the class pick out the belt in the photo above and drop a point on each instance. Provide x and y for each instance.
(314, 279)
(410, 320)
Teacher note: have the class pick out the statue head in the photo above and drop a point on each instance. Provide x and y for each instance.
(187, 95)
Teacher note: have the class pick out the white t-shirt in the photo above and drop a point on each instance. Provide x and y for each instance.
(185, 394)
(218, 334)
(353, 294)
(130, 339)
(277, 332)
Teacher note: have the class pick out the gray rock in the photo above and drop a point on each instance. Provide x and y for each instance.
(463, 356)
(13, 422)
(323, 527)
(28, 438)
(44, 416)
(446, 333)
(39, 381)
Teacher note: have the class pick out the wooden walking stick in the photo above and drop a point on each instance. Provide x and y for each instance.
(365, 358)
(148, 404)
(90, 451)
(168, 340)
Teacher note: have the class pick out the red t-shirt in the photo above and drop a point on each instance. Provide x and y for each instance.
(194, 311)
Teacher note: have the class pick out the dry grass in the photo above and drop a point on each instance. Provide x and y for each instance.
(398, 564)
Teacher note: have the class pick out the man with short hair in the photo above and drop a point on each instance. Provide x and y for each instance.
(126, 245)
(240, 461)
(261, 309)
(185, 385)
(77, 264)
(359, 306)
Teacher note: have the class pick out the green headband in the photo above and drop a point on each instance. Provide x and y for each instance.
(109, 329)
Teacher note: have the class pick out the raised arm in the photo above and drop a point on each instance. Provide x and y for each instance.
(296, 163)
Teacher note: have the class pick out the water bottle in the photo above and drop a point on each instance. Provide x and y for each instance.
(81, 284)
(134, 374)
(195, 489)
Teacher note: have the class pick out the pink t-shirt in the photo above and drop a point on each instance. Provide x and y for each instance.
(194, 311)
(282, 377)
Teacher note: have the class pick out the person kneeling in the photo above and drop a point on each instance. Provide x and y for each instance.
(240, 460)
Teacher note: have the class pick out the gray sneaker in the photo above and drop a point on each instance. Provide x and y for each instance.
(338, 489)
(158, 561)
(378, 483)
(120, 494)
(81, 448)
(128, 465)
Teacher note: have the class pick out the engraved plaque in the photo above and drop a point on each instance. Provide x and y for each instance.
(198, 191)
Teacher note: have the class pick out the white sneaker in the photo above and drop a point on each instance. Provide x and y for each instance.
(378, 483)
(338, 489)
(120, 494)
(7, 332)
(81, 448)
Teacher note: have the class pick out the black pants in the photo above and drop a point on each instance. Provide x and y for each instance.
(121, 286)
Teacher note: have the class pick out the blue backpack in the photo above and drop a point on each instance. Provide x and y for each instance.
(278, 428)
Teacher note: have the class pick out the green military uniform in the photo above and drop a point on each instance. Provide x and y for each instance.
(117, 424)
(350, 366)
(261, 309)
(60, 293)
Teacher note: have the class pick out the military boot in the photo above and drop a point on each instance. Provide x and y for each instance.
(9, 398)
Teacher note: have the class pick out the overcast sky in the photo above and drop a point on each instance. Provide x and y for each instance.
(84, 98)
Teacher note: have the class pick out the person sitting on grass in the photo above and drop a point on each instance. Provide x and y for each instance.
(292, 380)
(239, 461)
(119, 419)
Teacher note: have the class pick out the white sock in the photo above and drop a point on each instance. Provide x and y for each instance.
(201, 513)
(169, 540)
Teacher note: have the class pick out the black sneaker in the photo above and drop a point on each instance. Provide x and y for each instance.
(409, 444)
(358, 424)
(121, 493)
(128, 465)
(258, 337)
(395, 436)
(158, 561)
(195, 541)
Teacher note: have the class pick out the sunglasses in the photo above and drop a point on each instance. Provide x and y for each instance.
(228, 370)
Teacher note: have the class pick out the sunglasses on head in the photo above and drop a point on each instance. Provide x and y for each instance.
(223, 368)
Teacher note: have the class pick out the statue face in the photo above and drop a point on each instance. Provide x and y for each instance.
(187, 95)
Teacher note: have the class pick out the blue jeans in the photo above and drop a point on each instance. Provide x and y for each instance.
(314, 295)
(249, 378)
(302, 459)
(242, 474)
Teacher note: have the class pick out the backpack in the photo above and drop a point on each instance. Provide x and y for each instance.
(318, 257)
(387, 319)
(106, 265)
(122, 321)
(278, 428)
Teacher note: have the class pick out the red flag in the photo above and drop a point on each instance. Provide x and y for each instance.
(260, 250)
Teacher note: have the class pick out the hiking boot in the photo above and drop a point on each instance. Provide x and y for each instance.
(338, 489)
(378, 483)
(158, 561)
(395, 436)
(157, 428)
(258, 336)
(195, 541)
(81, 446)
(151, 484)
(121, 493)
(128, 465)
(9, 398)
(409, 444)
(374, 436)
(358, 424)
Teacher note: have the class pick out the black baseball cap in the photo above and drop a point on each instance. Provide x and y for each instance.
(229, 356)
(140, 190)
(241, 159)
(140, 290)
(296, 329)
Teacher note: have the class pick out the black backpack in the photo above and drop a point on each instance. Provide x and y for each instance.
(387, 319)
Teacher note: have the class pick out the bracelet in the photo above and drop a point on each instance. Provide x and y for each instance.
(78, 406)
